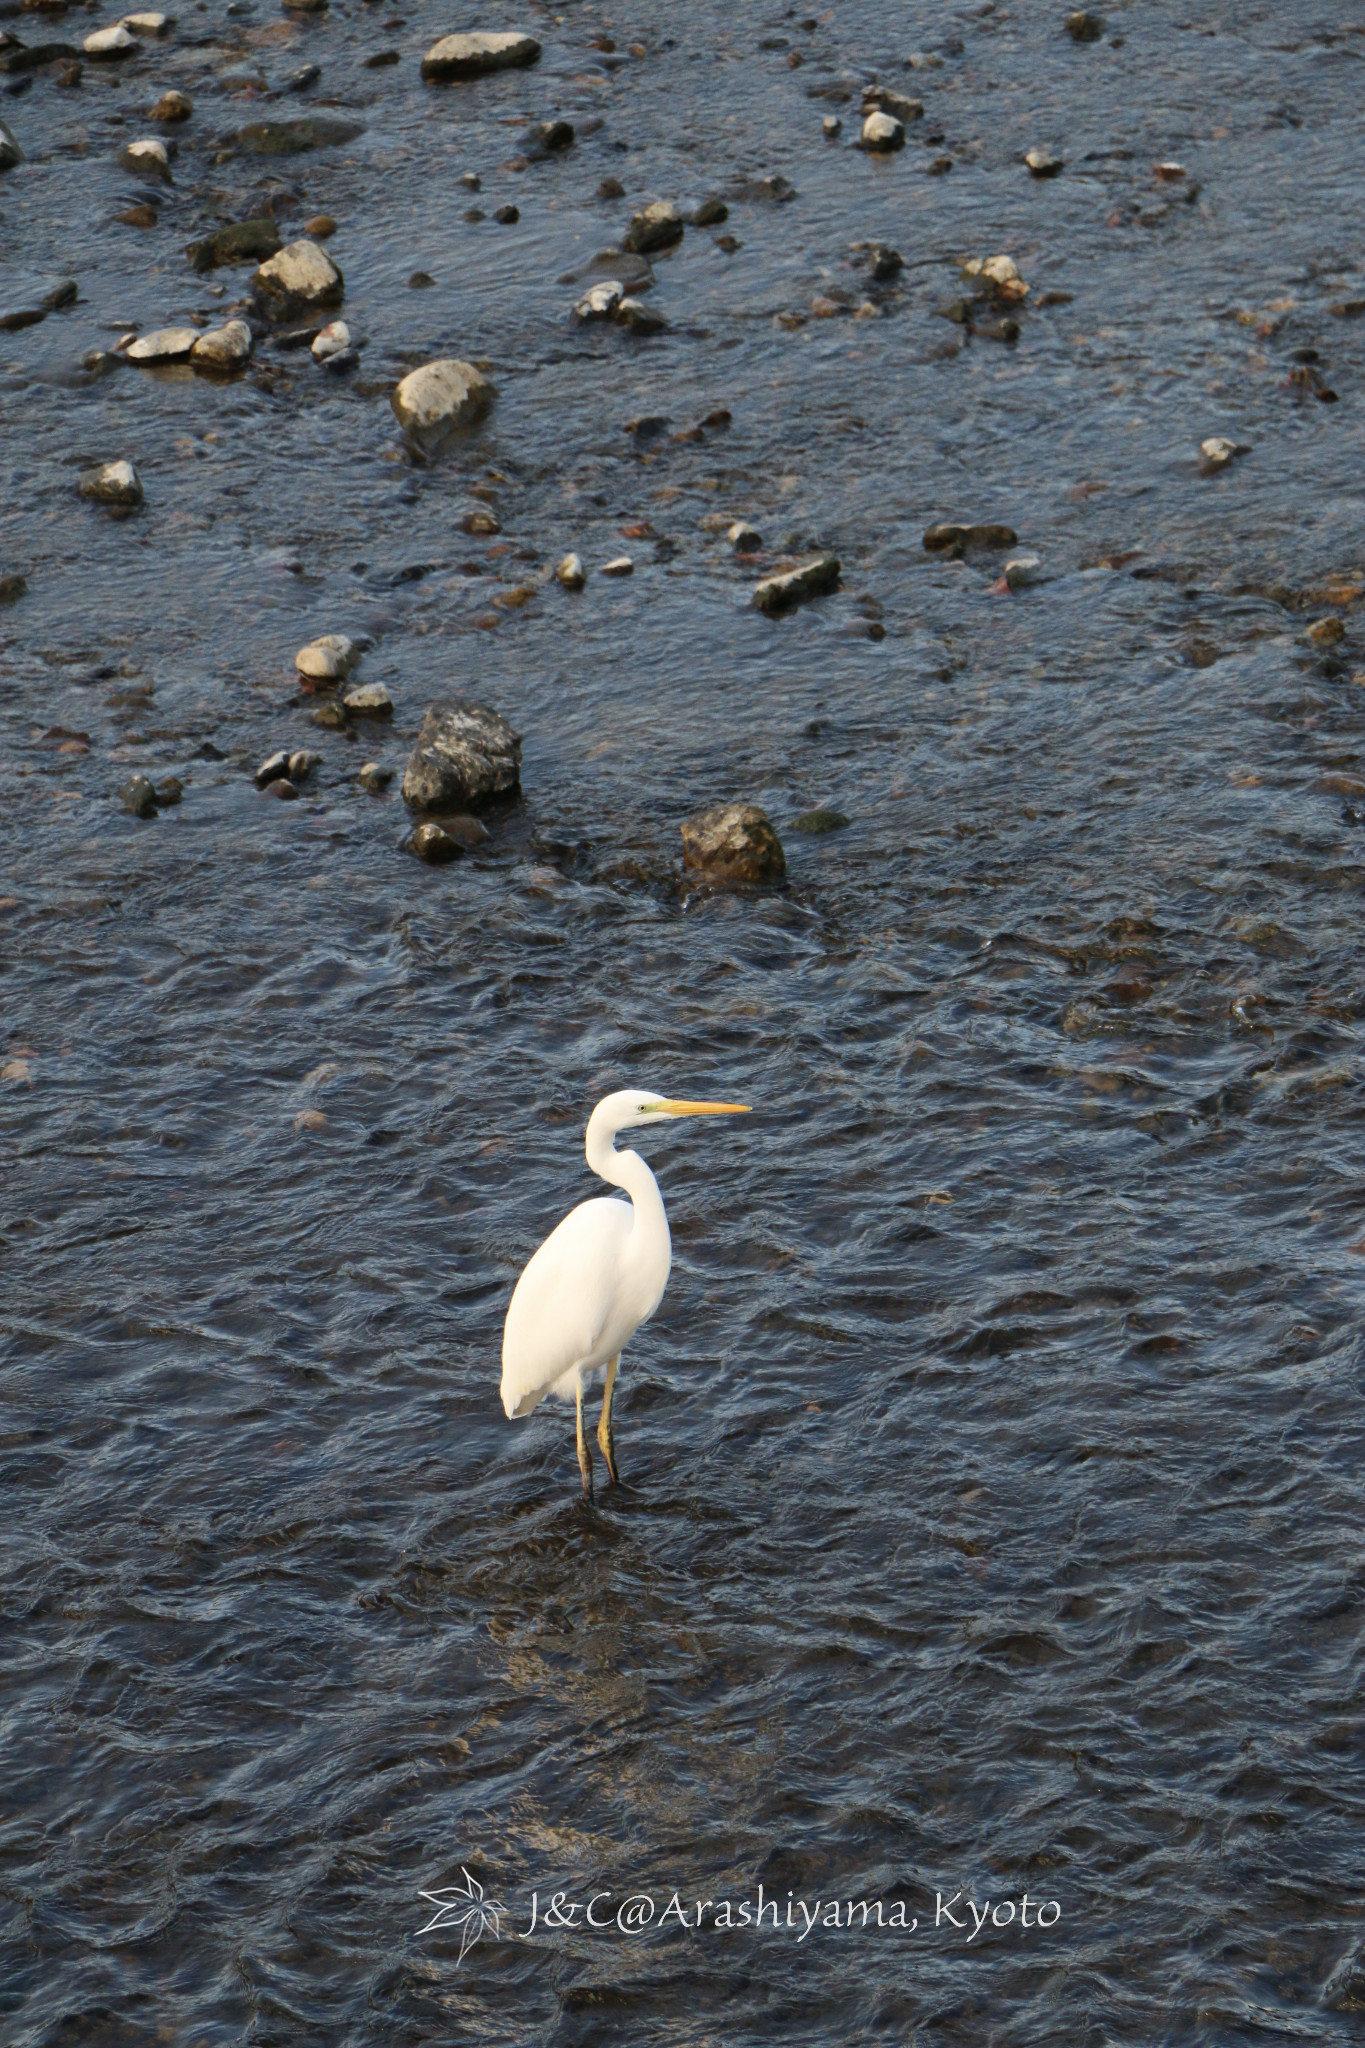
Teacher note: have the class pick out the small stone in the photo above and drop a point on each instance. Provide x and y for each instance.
(546, 138)
(1216, 453)
(471, 180)
(658, 226)
(465, 756)
(1084, 28)
(430, 843)
(368, 700)
(110, 42)
(743, 538)
(432, 403)
(1169, 173)
(148, 158)
(571, 572)
(1043, 163)
(1000, 276)
(1023, 572)
(112, 483)
(376, 778)
(301, 764)
(273, 768)
(1327, 632)
(320, 227)
(283, 788)
(142, 216)
(162, 345)
(793, 586)
(328, 659)
(169, 792)
(479, 519)
(301, 278)
(601, 302)
(138, 796)
(611, 188)
(420, 281)
(242, 242)
(507, 216)
(171, 107)
(949, 538)
(300, 80)
(70, 75)
(12, 588)
(10, 152)
(223, 348)
(734, 843)
(620, 566)
(149, 26)
(883, 133)
(821, 821)
(881, 99)
(832, 126)
(474, 56)
(332, 339)
(638, 318)
(710, 213)
(331, 716)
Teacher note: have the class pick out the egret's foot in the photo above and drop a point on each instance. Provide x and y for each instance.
(606, 1442)
(607, 1447)
(584, 1454)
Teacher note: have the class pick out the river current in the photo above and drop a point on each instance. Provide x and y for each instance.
(990, 1522)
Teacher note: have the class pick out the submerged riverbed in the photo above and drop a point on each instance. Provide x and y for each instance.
(991, 1518)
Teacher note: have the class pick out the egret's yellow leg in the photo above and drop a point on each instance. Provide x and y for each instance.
(584, 1454)
(604, 1435)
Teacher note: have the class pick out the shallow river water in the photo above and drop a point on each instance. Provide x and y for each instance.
(991, 1517)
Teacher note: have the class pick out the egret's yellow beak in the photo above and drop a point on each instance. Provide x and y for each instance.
(704, 1108)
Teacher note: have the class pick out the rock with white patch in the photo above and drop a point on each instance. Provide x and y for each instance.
(466, 756)
(162, 345)
(436, 401)
(301, 279)
(882, 133)
(147, 158)
(328, 659)
(477, 54)
(118, 41)
(112, 483)
(223, 348)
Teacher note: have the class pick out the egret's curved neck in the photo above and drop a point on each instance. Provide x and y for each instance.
(625, 1170)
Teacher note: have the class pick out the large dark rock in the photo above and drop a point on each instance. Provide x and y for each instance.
(734, 843)
(244, 241)
(465, 756)
(288, 138)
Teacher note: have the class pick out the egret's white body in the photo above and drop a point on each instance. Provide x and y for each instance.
(597, 1277)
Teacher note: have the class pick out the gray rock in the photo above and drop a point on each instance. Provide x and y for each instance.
(273, 769)
(299, 280)
(331, 716)
(12, 588)
(301, 764)
(300, 80)
(620, 566)
(169, 791)
(1023, 572)
(880, 99)
(148, 26)
(883, 133)
(733, 843)
(21, 58)
(162, 345)
(710, 214)
(333, 340)
(25, 303)
(743, 538)
(328, 659)
(375, 777)
(947, 538)
(283, 788)
(571, 572)
(600, 303)
(466, 756)
(138, 796)
(368, 700)
(832, 126)
(10, 152)
(172, 106)
(811, 578)
(223, 348)
(547, 138)
(820, 820)
(245, 241)
(481, 519)
(112, 483)
(638, 318)
(1216, 453)
(1084, 28)
(436, 401)
(147, 158)
(1044, 163)
(117, 41)
(475, 55)
(658, 226)
(430, 843)
(290, 138)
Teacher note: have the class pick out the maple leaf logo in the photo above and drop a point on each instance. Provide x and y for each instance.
(466, 1908)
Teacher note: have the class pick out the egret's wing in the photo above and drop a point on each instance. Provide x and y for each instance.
(563, 1301)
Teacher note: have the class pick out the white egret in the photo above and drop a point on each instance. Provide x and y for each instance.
(602, 1273)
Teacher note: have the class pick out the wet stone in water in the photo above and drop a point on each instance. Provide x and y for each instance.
(789, 587)
(274, 768)
(466, 755)
(571, 572)
(245, 241)
(375, 777)
(436, 401)
(476, 55)
(1083, 27)
(881, 99)
(171, 107)
(658, 226)
(883, 133)
(223, 348)
(291, 138)
(328, 659)
(431, 843)
(10, 152)
(148, 158)
(733, 843)
(300, 278)
(138, 796)
(113, 483)
(1044, 163)
(368, 700)
(820, 820)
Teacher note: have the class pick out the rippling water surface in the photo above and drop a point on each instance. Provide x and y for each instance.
(992, 1508)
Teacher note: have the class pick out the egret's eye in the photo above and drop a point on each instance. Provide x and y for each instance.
(648, 1108)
